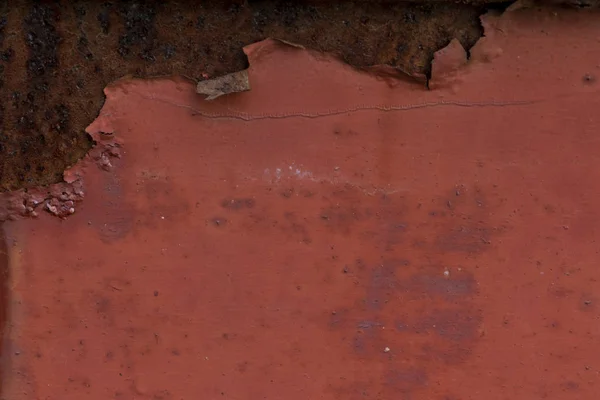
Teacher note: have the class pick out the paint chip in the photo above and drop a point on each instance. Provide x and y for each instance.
(231, 83)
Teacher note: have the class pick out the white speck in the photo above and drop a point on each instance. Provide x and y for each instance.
(386, 350)
(446, 273)
(162, 217)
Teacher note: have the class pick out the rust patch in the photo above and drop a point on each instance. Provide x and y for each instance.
(55, 58)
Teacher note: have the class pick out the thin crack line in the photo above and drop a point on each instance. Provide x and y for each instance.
(243, 116)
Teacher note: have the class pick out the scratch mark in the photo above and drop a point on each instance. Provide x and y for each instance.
(243, 116)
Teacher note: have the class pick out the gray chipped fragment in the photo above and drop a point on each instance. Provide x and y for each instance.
(232, 83)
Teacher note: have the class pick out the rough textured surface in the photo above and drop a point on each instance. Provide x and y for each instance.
(56, 57)
(373, 241)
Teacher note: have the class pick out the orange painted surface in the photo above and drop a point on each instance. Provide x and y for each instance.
(331, 235)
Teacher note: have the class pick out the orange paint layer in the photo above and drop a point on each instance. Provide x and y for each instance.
(330, 234)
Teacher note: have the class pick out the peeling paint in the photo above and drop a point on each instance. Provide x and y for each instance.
(245, 250)
(60, 199)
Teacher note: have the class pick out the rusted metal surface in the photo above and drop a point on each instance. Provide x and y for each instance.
(329, 234)
(56, 57)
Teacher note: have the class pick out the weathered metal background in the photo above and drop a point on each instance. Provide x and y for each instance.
(56, 57)
(328, 234)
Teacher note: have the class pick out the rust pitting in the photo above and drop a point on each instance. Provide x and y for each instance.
(58, 199)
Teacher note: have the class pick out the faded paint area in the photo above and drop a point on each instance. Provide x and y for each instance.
(330, 234)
